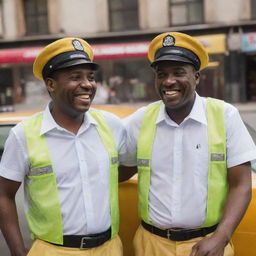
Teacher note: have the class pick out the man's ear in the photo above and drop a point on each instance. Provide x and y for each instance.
(50, 84)
(197, 77)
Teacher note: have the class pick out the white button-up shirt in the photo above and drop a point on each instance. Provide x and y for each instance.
(81, 165)
(179, 171)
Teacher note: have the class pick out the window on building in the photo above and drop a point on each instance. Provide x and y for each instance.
(123, 15)
(6, 81)
(253, 8)
(1, 18)
(183, 12)
(36, 17)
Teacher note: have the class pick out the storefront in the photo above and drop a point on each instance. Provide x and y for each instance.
(212, 78)
(249, 50)
(125, 74)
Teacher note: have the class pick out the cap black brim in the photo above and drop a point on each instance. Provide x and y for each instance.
(71, 63)
(171, 58)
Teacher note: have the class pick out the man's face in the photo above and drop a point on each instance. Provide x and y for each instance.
(72, 89)
(176, 83)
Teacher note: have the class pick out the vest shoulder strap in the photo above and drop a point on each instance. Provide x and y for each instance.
(217, 166)
(109, 143)
(144, 151)
(39, 156)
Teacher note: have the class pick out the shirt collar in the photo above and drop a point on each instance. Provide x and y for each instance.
(48, 122)
(197, 113)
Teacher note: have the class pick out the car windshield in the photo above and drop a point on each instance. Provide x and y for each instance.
(253, 134)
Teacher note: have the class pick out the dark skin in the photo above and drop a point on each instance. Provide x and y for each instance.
(239, 196)
(176, 83)
(9, 219)
(72, 91)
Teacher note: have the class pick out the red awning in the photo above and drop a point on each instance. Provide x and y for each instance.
(101, 52)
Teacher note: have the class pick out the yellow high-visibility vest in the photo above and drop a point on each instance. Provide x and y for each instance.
(217, 166)
(44, 213)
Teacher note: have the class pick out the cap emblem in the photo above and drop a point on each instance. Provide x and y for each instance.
(168, 41)
(77, 45)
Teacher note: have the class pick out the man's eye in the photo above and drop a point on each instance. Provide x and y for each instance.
(91, 78)
(74, 78)
(160, 75)
(180, 73)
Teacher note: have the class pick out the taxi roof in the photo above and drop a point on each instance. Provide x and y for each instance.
(17, 116)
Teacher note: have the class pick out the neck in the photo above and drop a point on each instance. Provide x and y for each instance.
(179, 114)
(68, 122)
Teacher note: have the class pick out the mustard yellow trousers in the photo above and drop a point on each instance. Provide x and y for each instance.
(146, 243)
(112, 247)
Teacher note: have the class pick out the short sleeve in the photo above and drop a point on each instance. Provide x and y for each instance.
(118, 130)
(240, 146)
(132, 125)
(14, 163)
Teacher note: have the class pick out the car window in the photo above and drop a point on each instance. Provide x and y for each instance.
(251, 131)
(253, 135)
(4, 132)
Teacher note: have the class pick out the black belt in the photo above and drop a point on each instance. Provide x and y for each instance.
(179, 234)
(86, 241)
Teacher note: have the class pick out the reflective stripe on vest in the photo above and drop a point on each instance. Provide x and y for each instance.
(109, 143)
(44, 213)
(217, 169)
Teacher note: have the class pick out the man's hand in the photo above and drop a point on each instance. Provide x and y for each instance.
(210, 246)
(239, 196)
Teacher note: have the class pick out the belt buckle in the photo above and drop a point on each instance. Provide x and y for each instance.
(83, 243)
(171, 231)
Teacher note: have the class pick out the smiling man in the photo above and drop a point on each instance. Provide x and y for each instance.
(193, 158)
(67, 157)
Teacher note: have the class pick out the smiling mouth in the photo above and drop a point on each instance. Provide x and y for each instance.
(84, 96)
(170, 93)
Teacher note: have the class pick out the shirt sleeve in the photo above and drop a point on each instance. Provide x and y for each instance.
(240, 146)
(14, 163)
(118, 130)
(132, 125)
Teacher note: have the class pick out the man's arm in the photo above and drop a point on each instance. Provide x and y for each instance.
(9, 218)
(239, 196)
(126, 172)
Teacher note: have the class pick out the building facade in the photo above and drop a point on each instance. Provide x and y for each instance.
(119, 32)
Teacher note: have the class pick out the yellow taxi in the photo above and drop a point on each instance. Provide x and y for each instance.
(244, 238)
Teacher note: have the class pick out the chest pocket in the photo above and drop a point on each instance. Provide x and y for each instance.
(201, 168)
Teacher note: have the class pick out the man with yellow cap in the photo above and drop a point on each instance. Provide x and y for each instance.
(193, 158)
(67, 157)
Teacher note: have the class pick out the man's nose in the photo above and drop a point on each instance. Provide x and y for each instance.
(85, 83)
(170, 79)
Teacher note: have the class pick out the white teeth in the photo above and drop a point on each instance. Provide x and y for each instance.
(85, 96)
(170, 92)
